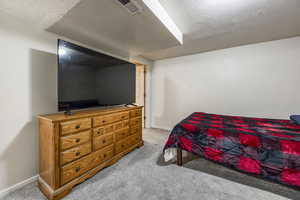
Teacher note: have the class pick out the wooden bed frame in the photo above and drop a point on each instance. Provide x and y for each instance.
(179, 157)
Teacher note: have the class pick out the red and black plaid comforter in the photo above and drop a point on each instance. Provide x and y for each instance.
(266, 147)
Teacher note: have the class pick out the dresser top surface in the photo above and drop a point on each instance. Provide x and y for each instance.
(56, 117)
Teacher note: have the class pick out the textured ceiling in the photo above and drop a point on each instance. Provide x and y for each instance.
(206, 24)
(41, 13)
(205, 18)
(107, 25)
(216, 24)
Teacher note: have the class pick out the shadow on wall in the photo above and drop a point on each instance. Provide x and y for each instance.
(20, 158)
(167, 90)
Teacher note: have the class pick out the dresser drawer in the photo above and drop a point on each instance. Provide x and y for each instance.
(75, 153)
(75, 169)
(106, 119)
(102, 141)
(136, 113)
(121, 125)
(121, 134)
(69, 141)
(135, 129)
(103, 130)
(122, 145)
(124, 115)
(102, 155)
(75, 126)
(136, 138)
(125, 124)
(128, 142)
(136, 121)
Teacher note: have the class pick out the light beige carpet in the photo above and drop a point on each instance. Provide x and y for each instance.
(142, 175)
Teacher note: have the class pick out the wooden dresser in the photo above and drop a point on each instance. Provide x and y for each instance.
(74, 148)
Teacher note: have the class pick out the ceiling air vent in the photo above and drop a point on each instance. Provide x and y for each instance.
(131, 6)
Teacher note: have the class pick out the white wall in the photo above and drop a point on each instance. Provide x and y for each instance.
(27, 88)
(260, 80)
(28, 67)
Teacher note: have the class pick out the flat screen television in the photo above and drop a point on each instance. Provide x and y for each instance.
(87, 78)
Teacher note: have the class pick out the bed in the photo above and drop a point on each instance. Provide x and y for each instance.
(268, 148)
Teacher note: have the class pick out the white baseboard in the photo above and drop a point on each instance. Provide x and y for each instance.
(19, 185)
(162, 128)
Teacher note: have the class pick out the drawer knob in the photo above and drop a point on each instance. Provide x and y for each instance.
(77, 140)
(103, 121)
(122, 145)
(77, 153)
(77, 126)
(104, 155)
(77, 169)
(104, 141)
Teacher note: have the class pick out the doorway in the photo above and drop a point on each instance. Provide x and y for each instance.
(140, 88)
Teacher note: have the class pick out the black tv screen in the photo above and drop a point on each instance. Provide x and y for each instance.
(87, 78)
